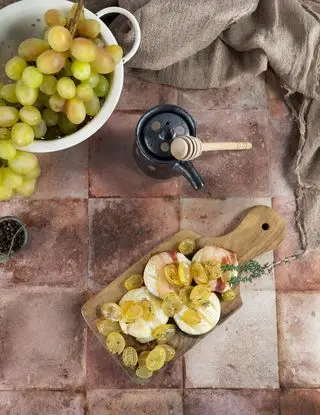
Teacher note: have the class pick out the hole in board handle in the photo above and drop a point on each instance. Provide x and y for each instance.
(265, 226)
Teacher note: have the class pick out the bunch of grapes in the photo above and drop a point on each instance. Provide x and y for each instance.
(59, 83)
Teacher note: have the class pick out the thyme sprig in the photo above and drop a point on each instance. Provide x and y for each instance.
(252, 269)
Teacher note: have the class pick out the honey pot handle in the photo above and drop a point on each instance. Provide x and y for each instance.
(135, 24)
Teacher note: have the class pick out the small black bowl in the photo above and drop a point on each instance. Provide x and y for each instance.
(11, 219)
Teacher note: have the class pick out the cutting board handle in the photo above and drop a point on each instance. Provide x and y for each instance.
(260, 231)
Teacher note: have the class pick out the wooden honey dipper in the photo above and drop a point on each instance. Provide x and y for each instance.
(185, 147)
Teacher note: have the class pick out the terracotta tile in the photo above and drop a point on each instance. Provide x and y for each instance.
(104, 372)
(249, 94)
(299, 339)
(123, 230)
(142, 95)
(42, 339)
(113, 171)
(147, 402)
(57, 251)
(284, 143)
(63, 174)
(300, 402)
(240, 353)
(41, 402)
(233, 173)
(214, 217)
(303, 273)
(231, 402)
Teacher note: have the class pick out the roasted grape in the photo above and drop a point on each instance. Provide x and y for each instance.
(89, 28)
(142, 358)
(184, 274)
(14, 68)
(164, 332)
(170, 352)
(130, 311)
(184, 294)
(187, 246)
(198, 273)
(191, 317)
(229, 295)
(105, 326)
(171, 274)
(111, 311)
(143, 372)
(200, 295)
(59, 38)
(213, 270)
(76, 110)
(134, 281)
(130, 357)
(148, 312)
(156, 358)
(115, 343)
(171, 304)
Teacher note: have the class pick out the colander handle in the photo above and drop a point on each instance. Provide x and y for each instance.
(135, 24)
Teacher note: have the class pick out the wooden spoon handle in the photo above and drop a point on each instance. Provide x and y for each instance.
(231, 145)
(260, 231)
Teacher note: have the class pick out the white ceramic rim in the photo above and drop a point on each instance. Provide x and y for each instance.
(108, 107)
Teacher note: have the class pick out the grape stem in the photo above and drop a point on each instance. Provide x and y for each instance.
(73, 22)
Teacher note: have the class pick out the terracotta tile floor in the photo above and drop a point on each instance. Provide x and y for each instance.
(94, 214)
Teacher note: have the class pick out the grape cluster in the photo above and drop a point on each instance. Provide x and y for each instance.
(59, 82)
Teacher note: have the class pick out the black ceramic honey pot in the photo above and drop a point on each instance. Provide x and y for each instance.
(154, 133)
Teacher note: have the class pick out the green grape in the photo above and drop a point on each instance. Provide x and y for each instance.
(11, 178)
(14, 68)
(54, 17)
(25, 94)
(67, 69)
(93, 80)
(93, 106)
(51, 62)
(76, 111)
(40, 129)
(104, 62)
(27, 187)
(116, 52)
(49, 84)
(5, 192)
(42, 101)
(84, 92)
(8, 92)
(98, 42)
(8, 116)
(32, 77)
(80, 70)
(30, 49)
(65, 125)
(83, 50)
(34, 174)
(56, 103)
(2, 102)
(7, 150)
(5, 134)
(22, 134)
(66, 88)
(30, 115)
(23, 162)
(50, 117)
(89, 28)
(102, 88)
(59, 38)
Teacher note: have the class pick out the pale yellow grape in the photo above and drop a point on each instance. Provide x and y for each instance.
(51, 62)
(56, 103)
(93, 79)
(102, 88)
(22, 134)
(54, 17)
(32, 77)
(49, 84)
(27, 187)
(2, 102)
(66, 88)
(25, 94)
(59, 38)
(73, 11)
(81, 70)
(23, 162)
(8, 116)
(31, 48)
(98, 42)
(14, 67)
(116, 52)
(40, 129)
(89, 28)
(5, 192)
(104, 62)
(10, 178)
(8, 93)
(84, 92)
(33, 174)
(50, 117)
(7, 150)
(30, 115)
(65, 125)
(76, 111)
(92, 106)
(5, 134)
(83, 50)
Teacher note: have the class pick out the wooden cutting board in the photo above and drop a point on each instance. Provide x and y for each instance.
(260, 231)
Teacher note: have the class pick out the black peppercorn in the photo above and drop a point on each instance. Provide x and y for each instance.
(11, 233)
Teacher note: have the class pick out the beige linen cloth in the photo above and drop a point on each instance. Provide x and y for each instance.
(214, 43)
